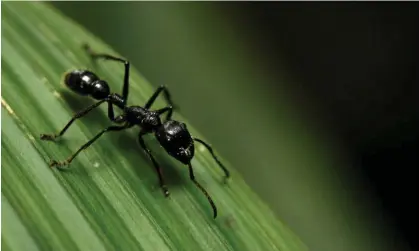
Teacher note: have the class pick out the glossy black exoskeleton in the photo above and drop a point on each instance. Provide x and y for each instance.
(172, 135)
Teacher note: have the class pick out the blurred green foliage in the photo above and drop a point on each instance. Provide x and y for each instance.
(226, 89)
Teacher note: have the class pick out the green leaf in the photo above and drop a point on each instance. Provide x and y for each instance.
(109, 198)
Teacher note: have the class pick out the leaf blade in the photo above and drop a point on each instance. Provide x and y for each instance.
(115, 200)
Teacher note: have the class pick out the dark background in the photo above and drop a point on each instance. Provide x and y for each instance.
(360, 64)
(357, 68)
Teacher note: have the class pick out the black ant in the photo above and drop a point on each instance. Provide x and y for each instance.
(172, 135)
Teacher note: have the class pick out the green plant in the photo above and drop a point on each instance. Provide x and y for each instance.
(107, 200)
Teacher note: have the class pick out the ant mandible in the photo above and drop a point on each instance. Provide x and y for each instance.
(172, 135)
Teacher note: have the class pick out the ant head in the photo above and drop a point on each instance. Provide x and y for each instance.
(185, 155)
(175, 138)
(100, 89)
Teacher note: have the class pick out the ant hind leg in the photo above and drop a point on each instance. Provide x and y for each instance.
(83, 147)
(95, 56)
(78, 115)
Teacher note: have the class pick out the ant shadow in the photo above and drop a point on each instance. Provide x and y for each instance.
(77, 104)
(127, 142)
(131, 146)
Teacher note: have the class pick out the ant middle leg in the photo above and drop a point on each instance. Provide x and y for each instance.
(95, 56)
(226, 172)
(78, 115)
(83, 147)
(156, 166)
(166, 94)
(168, 109)
(111, 115)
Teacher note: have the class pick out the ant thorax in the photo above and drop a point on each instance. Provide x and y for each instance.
(148, 120)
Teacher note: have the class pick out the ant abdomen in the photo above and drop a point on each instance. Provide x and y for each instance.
(86, 83)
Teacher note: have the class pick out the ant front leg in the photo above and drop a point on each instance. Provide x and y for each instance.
(95, 56)
(78, 115)
(226, 172)
(83, 147)
(192, 177)
(156, 166)
(167, 96)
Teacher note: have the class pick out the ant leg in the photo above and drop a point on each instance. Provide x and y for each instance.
(166, 94)
(111, 115)
(78, 115)
(192, 177)
(156, 166)
(227, 173)
(95, 56)
(83, 147)
(168, 109)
